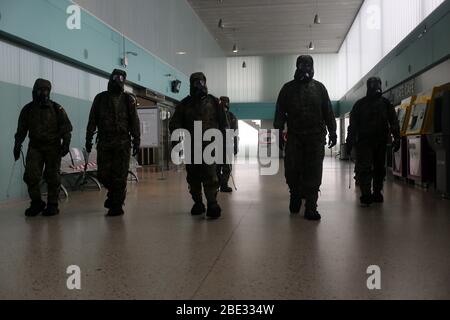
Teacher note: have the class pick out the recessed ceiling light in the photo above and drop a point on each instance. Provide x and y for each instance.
(181, 52)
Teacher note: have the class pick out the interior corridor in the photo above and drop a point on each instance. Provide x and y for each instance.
(257, 250)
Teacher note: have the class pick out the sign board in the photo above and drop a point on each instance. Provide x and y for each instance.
(149, 122)
(266, 137)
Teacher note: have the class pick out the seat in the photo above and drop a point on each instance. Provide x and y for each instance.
(132, 172)
(86, 164)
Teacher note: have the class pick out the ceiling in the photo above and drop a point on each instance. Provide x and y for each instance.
(265, 27)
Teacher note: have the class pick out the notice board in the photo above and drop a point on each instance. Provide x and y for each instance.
(149, 122)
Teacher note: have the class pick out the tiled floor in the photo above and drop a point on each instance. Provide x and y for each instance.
(257, 250)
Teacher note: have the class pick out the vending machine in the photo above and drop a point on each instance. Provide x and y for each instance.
(399, 158)
(420, 157)
(439, 139)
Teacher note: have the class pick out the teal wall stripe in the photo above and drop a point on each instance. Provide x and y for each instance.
(43, 24)
(260, 110)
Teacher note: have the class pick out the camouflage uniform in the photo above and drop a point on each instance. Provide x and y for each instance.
(306, 108)
(114, 114)
(49, 130)
(372, 121)
(224, 170)
(207, 110)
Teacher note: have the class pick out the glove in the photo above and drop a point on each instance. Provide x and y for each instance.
(88, 146)
(17, 149)
(396, 145)
(332, 141)
(136, 148)
(64, 150)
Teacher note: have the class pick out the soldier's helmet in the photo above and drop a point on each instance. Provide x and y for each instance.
(118, 72)
(41, 84)
(197, 76)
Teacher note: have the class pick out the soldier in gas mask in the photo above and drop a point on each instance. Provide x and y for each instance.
(305, 106)
(114, 115)
(224, 170)
(373, 121)
(203, 107)
(49, 130)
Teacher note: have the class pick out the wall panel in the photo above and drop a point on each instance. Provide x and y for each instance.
(165, 28)
(379, 28)
(264, 76)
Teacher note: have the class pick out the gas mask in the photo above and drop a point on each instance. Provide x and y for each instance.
(117, 81)
(374, 88)
(41, 92)
(305, 69)
(225, 102)
(198, 89)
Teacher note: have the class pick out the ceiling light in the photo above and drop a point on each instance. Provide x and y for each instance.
(311, 44)
(316, 19)
(220, 24)
(181, 52)
(235, 48)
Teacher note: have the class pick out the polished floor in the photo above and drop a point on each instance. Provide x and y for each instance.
(257, 250)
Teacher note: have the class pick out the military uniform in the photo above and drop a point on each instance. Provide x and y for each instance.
(200, 106)
(114, 115)
(306, 108)
(224, 169)
(49, 130)
(372, 120)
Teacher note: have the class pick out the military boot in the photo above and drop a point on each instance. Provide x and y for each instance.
(214, 210)
(311, 212)
(366, 195)
(35, 208)
(312, 215)
(107, 203)
(225, 188)
(198, 209)
(377, 197)
(366, 200)
(51, 210)
(295, 204)
(115, 211)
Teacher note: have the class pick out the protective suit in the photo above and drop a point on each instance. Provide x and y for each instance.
(373, 121)
(304, 105)
(224, 170)
(201, 106)
(114, 115)
(49, 130)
